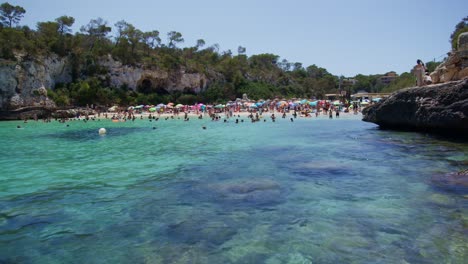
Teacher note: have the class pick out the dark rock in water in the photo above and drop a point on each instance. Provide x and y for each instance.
(455, 181)
(26, 113)
(235, 194)
(249, 186)
(71, 113)
(200, 230)
(249, 192)
(93, 134)
(441, 108)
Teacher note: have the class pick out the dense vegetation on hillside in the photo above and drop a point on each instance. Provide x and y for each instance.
(230, 75)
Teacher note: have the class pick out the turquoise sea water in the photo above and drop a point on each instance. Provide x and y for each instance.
(311, 191)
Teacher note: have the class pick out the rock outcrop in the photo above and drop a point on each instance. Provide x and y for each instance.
(454, 181)
(152, 79)
(455, 67)
(439, 108)
(22, 83)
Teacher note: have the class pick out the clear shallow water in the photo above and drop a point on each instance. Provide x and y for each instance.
(312, 191)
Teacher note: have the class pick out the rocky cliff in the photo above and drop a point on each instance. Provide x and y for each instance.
(440, 108)
(22, 82)
(152, 79)
(455, 67)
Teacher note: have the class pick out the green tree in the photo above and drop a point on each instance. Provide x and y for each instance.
(174, 38)
(151, 39)
(241, 50)
(121, 27)
(314, 71)
(11, 40)
(188, 99)
(48, 36)
(284, 65)
(405, 80)
(10, 14)
(97, 30)
(200, 44)
(65, 22)
(461, 27)
(126, 32)
(134, 36)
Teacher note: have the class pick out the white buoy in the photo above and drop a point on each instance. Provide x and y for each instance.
(102, 131)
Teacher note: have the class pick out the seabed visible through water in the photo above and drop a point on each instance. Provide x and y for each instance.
(310, 191)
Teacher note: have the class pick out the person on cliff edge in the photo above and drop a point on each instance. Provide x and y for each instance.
(419, 71)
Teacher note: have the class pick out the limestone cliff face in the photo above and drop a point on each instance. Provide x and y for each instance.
(434, 108)
(20, 82)
(152, 79)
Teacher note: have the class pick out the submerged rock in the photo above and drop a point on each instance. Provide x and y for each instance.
(455, 181)
(232, 194)
(248, 186)
(249, 192)
(200, 230)
(441, 108)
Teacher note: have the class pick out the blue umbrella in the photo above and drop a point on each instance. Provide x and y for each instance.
(314, 103)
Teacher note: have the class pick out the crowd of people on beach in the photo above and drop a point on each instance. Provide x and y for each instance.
(231, 112)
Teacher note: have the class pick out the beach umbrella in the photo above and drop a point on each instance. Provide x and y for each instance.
(336, 102)
(179, 106)
(253, 106)
(139, 106)
(219, 106)
(152, 109)
(130, 108)
(259, 104)
(376, 100)
(112, 109)
(314, 103)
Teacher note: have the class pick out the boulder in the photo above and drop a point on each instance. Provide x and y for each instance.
(454, 67)
(463, 74)
(441, 108)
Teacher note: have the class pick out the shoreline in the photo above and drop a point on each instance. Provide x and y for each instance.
(241, 117)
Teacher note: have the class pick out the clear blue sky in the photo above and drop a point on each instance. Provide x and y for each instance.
(345, 37)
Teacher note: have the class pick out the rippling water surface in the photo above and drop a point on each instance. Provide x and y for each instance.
(311, 191)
